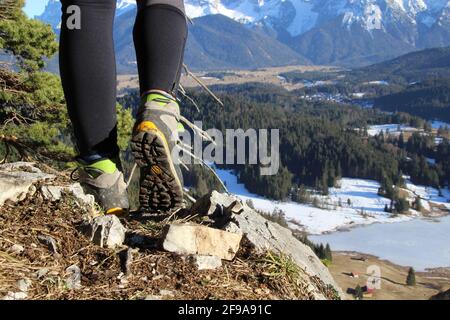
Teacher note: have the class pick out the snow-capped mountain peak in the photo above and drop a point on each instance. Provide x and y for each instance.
(298, 16)
(324, 31)
(121, 4)
(200, 8)
(125, 5)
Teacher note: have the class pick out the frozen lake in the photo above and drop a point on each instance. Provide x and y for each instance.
(336, 213)
(405, 240)
(420, 243)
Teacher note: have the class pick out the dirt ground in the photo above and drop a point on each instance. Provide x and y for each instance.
(393, 277)
(106, 275)
(137, 270)
(265, 75)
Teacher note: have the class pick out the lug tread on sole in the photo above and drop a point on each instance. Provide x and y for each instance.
(159, 191)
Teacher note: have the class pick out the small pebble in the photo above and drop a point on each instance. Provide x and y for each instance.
(15, 296)
(23, 285)
(167, 293)
(17, 249)
(73, 281)
(41, 273)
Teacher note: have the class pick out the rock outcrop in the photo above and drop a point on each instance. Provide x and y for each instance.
(21, 179)
(18, 179)
(225, 228)
(263, 234)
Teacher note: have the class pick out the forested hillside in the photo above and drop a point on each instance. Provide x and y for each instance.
(412, 67)
(320, 141)
(416, 83)
(429, 100)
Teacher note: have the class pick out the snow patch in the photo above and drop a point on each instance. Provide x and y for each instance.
(355, 203)
(305, 18)
(366, 206)
(430, 194)
(393, 129)
(378, 83)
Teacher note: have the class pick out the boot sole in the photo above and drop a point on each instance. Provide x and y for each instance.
(160, 187)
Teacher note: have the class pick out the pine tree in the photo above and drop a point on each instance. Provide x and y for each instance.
(316, 202)
(418, 204)
(29, 40)
(302, 195)
(339, 171)
(328, 253)
(27, 92)
(324, 183)
(401, 205)
(358, 292)
(411, 278)
(124, 126)
(321, 252)
(401, 141)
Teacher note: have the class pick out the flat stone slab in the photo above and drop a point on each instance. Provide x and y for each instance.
(193, 239)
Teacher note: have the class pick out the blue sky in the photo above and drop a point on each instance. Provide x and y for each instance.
(34, 7)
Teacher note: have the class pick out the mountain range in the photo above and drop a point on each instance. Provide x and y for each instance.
(260, 33)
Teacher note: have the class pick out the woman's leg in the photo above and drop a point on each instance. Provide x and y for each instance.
(160, 33)
(88, 74)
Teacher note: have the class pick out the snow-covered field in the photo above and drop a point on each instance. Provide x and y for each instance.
(389, 128)
(394, 129)
(430, 194)
(366, 206)
(379, 83)
(359, 94)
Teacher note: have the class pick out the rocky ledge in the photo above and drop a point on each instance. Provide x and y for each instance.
(54, 244)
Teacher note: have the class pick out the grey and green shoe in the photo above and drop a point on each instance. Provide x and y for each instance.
(154, 137)
(105, 181)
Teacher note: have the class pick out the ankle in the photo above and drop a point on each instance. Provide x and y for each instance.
(106, 165)
(160, 96)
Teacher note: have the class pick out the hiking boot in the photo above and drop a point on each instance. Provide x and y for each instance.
(154, 137)
(105, 181)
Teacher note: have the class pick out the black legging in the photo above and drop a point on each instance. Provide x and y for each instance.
(88, 69)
